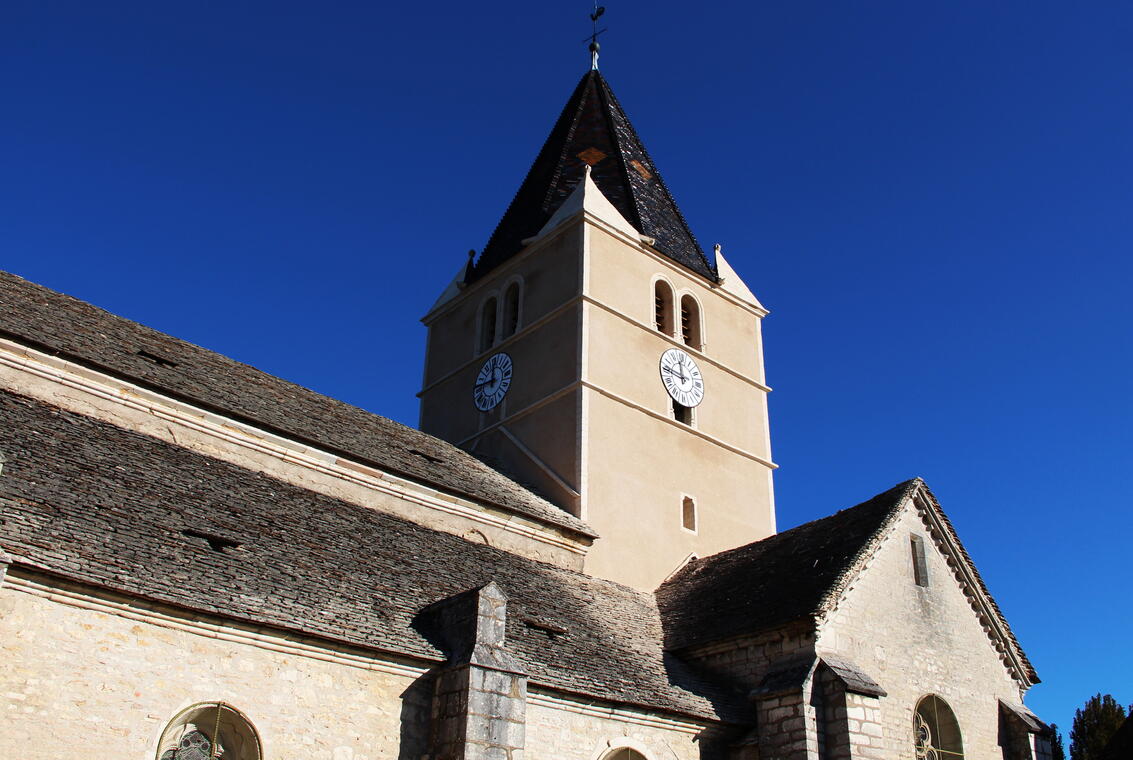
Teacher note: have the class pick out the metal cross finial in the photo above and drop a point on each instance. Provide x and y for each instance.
(594, 46)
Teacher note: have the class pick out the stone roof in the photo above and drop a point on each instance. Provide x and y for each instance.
(95, 503)
(77, 331)
(594, 130)
(796, 575)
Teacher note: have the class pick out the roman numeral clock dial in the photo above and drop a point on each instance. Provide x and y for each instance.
(682, 377)
(492, 382)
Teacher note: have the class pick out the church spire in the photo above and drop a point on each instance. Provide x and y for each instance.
(594, 131)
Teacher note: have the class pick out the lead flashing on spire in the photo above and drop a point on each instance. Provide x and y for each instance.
(589, 198)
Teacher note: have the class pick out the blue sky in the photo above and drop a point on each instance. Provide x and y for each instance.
(932, 199)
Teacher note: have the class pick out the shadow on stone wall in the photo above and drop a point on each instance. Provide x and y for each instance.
(416, 707)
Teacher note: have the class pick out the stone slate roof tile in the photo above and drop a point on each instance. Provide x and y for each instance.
(82, 333)
(594, 129)
(101, 505)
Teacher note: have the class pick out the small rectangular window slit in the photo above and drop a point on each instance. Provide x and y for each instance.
(920, 568)
(688, 514)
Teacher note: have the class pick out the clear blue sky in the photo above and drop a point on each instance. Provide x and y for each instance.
(933, 199)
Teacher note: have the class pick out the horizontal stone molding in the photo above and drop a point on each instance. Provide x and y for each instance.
(22, 580)
(28, 580)
(691, 430)
(555, 701)
(694, 352)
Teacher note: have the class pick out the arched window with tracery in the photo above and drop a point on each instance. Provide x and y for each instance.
(511, 309)
(663, 307)
(488, 324)
(936, 734)
(208, 731)
(690, 322)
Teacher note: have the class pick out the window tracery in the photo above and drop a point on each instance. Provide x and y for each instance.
(936, 734)
(209, 731)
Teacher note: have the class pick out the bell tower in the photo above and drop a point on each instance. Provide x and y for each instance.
(595, 353)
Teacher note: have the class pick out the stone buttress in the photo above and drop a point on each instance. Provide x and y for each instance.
(480, 694)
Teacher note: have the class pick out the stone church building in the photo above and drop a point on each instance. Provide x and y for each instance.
(574, 558)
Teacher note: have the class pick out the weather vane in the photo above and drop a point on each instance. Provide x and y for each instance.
(595, 31)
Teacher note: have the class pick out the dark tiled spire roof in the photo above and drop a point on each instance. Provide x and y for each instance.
(593, 129)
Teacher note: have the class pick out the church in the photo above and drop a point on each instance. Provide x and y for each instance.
(574, 558)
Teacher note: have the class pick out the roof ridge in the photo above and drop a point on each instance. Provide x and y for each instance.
(966, 558)
(607, 94)
(955, 546)
(660, 179)
(870, 545)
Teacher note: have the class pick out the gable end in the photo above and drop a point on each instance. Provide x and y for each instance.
(964, 571)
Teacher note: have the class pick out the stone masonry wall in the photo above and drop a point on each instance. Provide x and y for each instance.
(565, 730)
(81, 681)
(787, 727)
(746, 660)
(80, 675)
(917, 641)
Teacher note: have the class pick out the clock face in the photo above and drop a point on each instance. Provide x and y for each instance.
(492, 382)
(682, 377)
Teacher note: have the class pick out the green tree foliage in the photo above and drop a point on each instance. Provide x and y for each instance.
(1057, 751)
(1094, 724)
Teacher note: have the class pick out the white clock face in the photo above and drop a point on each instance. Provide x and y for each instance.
(492, 382)
(682, 377)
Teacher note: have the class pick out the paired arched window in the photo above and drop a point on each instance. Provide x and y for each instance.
(663, 307)
(209, 730)
(500, 319)
(488, 324)
(682, 322)
(511, 310)
(690, 322)
(936, 734)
